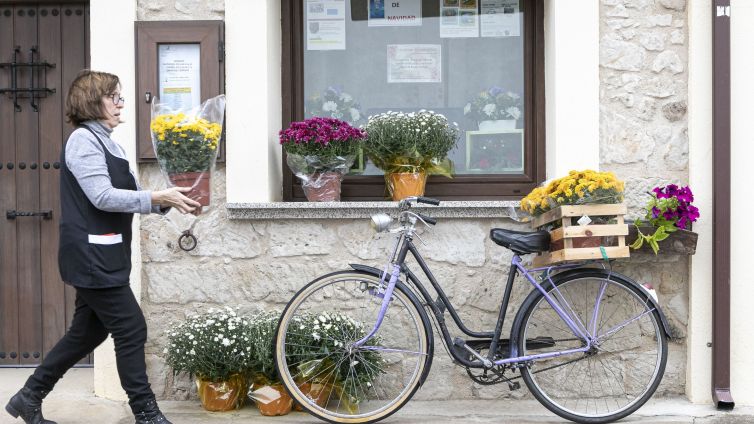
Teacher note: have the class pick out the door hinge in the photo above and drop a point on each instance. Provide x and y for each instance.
(221, 51)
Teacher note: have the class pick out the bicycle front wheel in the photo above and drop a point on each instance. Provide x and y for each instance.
(621, 370)
(333, 379)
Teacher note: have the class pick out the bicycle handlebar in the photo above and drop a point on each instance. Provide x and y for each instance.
(427, 219)
(428, 200)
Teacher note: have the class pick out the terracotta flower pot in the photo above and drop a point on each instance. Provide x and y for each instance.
(319, 392)
(323, 187)
(279, 404)
(407, 184)
(224, 395)
(199, 183)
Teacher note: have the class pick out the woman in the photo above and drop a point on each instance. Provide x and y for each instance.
(99, 195)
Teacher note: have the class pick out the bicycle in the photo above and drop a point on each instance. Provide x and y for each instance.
(590, 344)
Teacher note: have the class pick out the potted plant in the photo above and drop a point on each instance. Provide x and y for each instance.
(408, 147)
(319, 348)
(668, 211)
(268, 393)
(593, 224)
(320, 152)
(334, 103)
(494, 109)
(211, 347)
(185, 144)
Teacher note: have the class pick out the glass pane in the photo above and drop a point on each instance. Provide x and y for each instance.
(461, 58)
(180, 75)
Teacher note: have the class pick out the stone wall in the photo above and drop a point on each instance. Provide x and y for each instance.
(261, 264)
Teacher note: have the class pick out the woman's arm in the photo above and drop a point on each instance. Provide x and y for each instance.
(85, 158)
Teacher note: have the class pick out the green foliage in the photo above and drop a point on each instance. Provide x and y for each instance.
(662, 232)
(212, 345)
(410, 142)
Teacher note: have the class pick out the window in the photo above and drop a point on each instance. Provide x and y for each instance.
(370, 56)
(181, 62)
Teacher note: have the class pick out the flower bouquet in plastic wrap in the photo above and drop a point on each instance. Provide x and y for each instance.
(320, 151)
(186, 143)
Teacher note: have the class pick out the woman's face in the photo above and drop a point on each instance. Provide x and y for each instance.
(112, 104)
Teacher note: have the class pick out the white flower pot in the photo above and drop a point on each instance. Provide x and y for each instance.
(497, 125)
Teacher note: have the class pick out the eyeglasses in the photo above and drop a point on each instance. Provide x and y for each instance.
(117, 99)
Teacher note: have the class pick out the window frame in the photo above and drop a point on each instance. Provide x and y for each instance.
(460, 187)
(209, 35)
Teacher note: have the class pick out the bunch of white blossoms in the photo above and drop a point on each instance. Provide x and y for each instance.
(212, 345)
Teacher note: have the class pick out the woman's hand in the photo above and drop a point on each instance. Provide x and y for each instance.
(173, 197)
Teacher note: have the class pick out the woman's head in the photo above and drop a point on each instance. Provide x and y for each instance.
(94, 96)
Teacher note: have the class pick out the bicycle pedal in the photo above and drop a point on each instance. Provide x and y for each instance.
(514, 385)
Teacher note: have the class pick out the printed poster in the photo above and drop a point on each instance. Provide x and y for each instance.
(458, 18)
(326, 25)
(414, 63)
(180, 75)
(395, 12)
(500, 18)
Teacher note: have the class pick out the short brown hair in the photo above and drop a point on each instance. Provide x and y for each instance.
(84, 101)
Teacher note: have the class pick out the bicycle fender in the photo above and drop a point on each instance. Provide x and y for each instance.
(584, 272)
(417, 303)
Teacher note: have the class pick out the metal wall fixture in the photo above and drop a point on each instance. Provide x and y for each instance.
(37, 73)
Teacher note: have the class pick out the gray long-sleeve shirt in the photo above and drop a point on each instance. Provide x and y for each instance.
(86, 160)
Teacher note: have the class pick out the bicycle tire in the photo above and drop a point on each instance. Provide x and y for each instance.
(621, 368)
(408, 309)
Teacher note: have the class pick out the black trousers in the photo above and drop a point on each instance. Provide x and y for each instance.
(100, 312)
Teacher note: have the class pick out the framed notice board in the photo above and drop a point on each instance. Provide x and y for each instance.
(179, 62)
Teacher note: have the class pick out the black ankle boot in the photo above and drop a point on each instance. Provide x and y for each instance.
(150, 414)
(27, 405)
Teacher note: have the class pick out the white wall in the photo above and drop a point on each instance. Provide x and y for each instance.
(742, 203)
(572, 85)
(699, 356)
(112, 50)
(253, 87)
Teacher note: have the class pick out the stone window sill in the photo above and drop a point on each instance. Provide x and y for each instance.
(345, 210)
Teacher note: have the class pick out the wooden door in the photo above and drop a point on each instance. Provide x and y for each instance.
(42, 48)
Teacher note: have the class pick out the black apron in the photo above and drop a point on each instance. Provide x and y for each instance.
(95, 246)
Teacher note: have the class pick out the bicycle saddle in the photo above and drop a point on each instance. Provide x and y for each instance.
(521, 242)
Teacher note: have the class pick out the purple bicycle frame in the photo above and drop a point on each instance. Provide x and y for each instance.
(559, 305)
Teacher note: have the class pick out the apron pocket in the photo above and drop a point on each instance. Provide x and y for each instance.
(107, 252)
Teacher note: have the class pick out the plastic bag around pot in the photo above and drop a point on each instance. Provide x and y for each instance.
(270, 397)
(186, 142)
(320, 177)
(224, 395)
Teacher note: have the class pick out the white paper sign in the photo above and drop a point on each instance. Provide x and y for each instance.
(180, 75)
(394, 12)
(414, 63)
(458, 18)
(326, 25)
(500, 18)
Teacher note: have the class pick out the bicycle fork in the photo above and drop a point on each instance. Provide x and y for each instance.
(386, 296)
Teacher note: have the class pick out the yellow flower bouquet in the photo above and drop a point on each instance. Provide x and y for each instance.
(577, 188)
(186, 143)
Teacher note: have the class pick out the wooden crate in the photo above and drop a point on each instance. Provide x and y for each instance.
(574, 242)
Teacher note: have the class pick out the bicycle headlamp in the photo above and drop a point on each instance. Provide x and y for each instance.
(381, 222)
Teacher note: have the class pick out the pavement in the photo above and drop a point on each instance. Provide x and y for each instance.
(73, 401)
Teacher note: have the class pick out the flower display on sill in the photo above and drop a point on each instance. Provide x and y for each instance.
(494, 104)
(322, 137)
(668, 210)
(334, 103)
(411, 142)
(212, 346)
(577, 188)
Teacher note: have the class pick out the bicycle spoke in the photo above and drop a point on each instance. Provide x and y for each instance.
(624, 364)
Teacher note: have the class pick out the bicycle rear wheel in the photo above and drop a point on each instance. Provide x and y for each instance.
(314, 348)
(623, 368)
